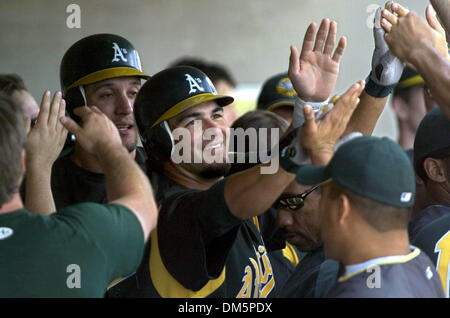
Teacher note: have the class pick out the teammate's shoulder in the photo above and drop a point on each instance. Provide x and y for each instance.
(427, 216)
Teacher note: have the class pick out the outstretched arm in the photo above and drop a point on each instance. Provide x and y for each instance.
(385, 74)
(424, 46)
(250, 193)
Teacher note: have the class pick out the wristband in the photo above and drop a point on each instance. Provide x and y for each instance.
(377, 90)
(298, 118)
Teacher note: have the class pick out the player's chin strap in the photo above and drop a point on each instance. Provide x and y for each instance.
(165, 126)
(83, 93)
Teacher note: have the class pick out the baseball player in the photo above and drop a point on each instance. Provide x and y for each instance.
(208, 242)
(430, 229)
(298, 216)
(102, 70)
(367, 188)
(79, 250)
(14, 87)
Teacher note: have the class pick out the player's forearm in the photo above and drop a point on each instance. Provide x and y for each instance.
(442, 8)
(436, 72)
(250, 193)
(366, 115)
(38, 195)
(127, 184)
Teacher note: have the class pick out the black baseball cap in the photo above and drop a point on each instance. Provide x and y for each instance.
(409, 78)
(372, 167)
(277, 91)
(432, 135)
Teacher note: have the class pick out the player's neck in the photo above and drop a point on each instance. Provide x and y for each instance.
(14, 204)
(187, 178)
(437, 193)
(395, 242)
(88, 161)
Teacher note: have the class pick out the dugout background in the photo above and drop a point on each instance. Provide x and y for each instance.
(250, 37)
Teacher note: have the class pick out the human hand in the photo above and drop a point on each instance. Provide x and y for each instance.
(314, 71)
(47, 137)
(386, 67)
(319, 137)
(96, 132)
(406, 31)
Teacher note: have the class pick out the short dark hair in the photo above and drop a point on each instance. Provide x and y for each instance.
(214, 71)
(438, 154)
(9, 83)
(257, 119)
(12, 141)
(381, 216)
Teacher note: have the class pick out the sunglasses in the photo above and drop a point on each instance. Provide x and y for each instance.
(295, 202)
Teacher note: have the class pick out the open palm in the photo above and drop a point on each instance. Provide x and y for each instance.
(314, 71)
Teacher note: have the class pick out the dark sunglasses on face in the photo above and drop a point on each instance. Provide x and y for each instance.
(295, 202)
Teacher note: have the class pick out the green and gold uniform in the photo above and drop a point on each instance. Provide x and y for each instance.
(404, 276)
(76, 252)
(72, 184)
(200, 249)
(434, 240)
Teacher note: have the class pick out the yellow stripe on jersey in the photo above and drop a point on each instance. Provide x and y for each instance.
(169, 287)
(290, 253)
(256, 221)
(403, 259)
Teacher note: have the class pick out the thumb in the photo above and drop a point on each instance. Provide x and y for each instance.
(310, 124)
(70, 125)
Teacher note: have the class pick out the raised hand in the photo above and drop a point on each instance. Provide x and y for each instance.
(96, 131)
(407, 30)
(46, 139)
(314, 71)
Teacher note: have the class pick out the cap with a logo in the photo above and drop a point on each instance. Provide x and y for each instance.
(432, 135)
(372, 167)
(277, 91)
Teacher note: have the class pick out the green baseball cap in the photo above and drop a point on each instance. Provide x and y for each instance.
(372, 167)
(277, 91)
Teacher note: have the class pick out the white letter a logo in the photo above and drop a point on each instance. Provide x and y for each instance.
(193, 85)
(118, 53)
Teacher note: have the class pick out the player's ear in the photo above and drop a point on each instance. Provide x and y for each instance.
(435, 169)
(343, 209)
